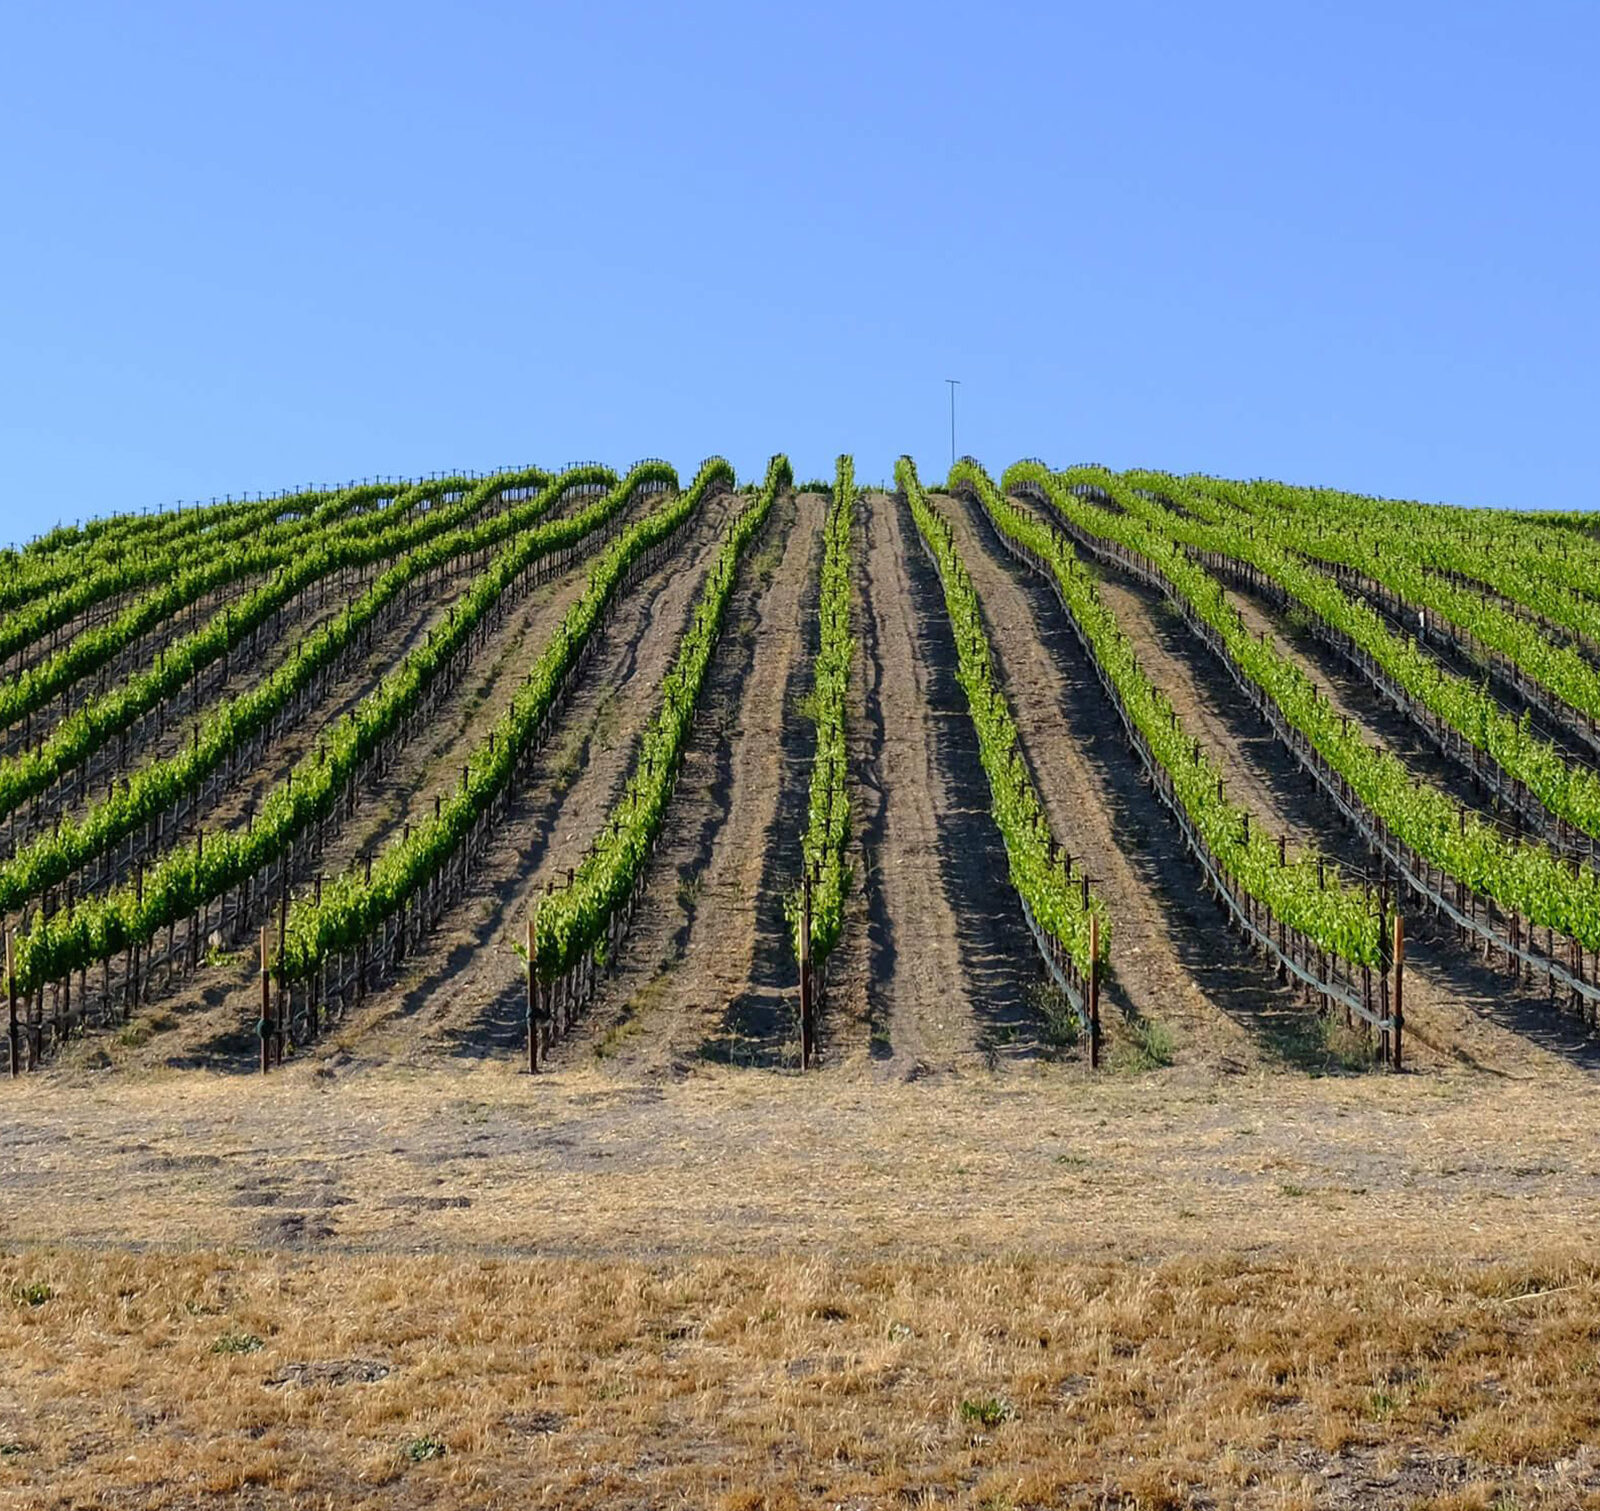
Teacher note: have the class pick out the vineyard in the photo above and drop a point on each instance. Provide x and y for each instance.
(585, 987)
(556, 767)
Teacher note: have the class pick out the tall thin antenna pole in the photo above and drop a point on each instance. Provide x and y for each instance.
(952, 382)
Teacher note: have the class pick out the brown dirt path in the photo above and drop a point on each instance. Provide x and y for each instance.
(951, 972)
(463, 995)
(476, 1157)
(1214, 711)
(1170, 960)
(919, 1016)
(706, 973)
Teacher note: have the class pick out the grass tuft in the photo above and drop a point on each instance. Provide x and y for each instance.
(236, 1343)
(1150, 1048)
(987, 1411)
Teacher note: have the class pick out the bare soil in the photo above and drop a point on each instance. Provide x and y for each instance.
(463, 993)
(707, 973)
(472, 1154)
(949, 971)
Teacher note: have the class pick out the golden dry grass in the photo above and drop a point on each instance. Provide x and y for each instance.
(401, 1381)
(738, 1291)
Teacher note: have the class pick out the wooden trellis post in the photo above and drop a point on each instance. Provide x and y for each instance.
(1399, 986)
(1094, 991)
(11, 992)
(807, 988)
(533, 997)
(264, 1027)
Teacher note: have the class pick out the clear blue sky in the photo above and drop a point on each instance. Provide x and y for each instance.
(251, 246)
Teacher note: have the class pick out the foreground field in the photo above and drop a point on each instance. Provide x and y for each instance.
(1025, 1289)
(264, 1381)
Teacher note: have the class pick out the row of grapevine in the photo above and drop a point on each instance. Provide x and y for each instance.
(52, 642)
(48, 859)
(63, 541)
(1381, 565)
(198, 872)
(1445, 702)
(450, 532)
(109, 535)
(817, 914)
(577, 924)
(1070, 922)
(56, 610)
(142, 551)
(397, 527)
(1523, 558)
(1417, 826)
(428, 863)
(38, 573)
(1321, 930)
(1518, 808)
(134, 530)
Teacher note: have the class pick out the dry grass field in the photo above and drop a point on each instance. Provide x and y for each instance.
(393, 1288)
(363, 1380)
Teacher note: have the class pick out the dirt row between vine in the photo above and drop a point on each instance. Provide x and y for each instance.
(207, 1020)
(1171, 962)
(951, 980)
(462, 996)
(706, 972)
(1460, 1007)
